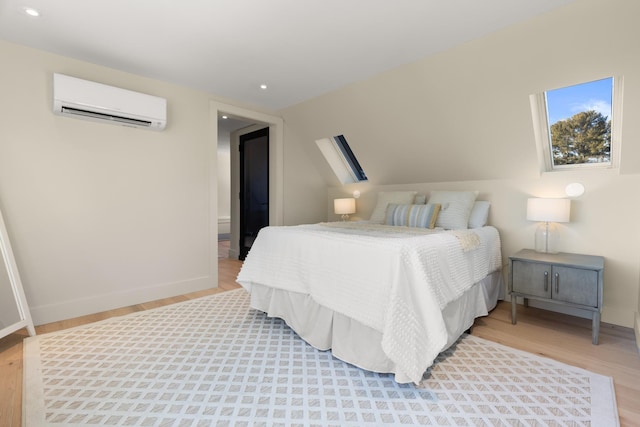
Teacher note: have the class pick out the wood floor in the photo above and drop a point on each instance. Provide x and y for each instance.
(560, 337)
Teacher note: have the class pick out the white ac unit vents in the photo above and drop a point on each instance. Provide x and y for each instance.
(88, 100)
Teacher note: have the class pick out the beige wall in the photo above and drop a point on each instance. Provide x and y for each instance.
(104, 216)
(101, 216)
(461, 119)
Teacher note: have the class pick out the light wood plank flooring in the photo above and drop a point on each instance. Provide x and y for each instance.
(560, 337)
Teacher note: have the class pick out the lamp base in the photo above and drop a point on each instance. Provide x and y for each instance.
(547, 238)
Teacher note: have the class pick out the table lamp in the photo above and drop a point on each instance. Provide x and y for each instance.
(548, 211)
(344, 207)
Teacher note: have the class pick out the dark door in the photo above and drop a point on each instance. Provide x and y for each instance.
(254, 187)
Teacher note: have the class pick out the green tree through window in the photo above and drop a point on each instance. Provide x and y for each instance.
(582, 138)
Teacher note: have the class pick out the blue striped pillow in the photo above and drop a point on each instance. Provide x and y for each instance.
(423, 216)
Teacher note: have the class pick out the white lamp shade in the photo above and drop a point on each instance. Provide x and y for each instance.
(344, 206)
(548, 210)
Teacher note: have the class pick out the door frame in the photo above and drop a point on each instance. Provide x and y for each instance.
(276, 173)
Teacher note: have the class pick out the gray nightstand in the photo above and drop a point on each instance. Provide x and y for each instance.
(570, 280)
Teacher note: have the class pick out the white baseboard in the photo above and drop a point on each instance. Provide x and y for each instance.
(96, 304)
(224, 225)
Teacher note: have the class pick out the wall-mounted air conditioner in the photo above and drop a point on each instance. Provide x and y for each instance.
(88, 100)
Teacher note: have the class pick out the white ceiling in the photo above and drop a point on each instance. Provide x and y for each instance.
(299, 48)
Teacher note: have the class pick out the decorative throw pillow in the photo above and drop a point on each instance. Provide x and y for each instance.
(479, 214)
(456, 208)
(412, 215)
(384, 198)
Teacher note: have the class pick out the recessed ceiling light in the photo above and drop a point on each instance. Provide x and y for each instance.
(225, 117)
(263, 86)
(31, 11)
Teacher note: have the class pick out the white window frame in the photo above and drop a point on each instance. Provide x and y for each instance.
(542, 132)
(342, 168)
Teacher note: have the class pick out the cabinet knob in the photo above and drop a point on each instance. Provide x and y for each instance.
(546, 281)
(557, 283)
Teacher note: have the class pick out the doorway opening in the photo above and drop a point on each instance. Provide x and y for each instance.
(228, 226)
(227, 127)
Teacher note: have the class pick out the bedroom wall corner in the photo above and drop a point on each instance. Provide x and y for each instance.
(305, 188)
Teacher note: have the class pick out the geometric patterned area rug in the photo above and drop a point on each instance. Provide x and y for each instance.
(214, 361)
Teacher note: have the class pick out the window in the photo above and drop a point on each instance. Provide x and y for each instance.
(578, 126)
(341, 159)
(350, 158)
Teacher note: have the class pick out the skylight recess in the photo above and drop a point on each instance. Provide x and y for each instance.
(342, 160)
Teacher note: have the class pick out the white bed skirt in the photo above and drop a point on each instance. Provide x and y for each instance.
(356, 343)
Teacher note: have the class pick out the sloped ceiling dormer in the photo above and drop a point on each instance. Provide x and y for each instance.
(464, 114)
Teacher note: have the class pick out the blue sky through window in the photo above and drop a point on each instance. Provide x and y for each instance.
(567, 101)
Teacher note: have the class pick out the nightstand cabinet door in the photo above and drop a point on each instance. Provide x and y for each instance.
(531, 278)
(575, 285)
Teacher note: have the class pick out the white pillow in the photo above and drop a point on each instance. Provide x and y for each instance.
(456, 208)
(420, 199)
(386, 197)
(479, 214)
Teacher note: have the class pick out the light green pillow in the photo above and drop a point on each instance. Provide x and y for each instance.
(456, 208)
(386, 197)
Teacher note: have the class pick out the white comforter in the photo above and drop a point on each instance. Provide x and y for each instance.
(395, 280)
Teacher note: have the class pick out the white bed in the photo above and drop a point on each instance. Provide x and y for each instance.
(384, 298)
